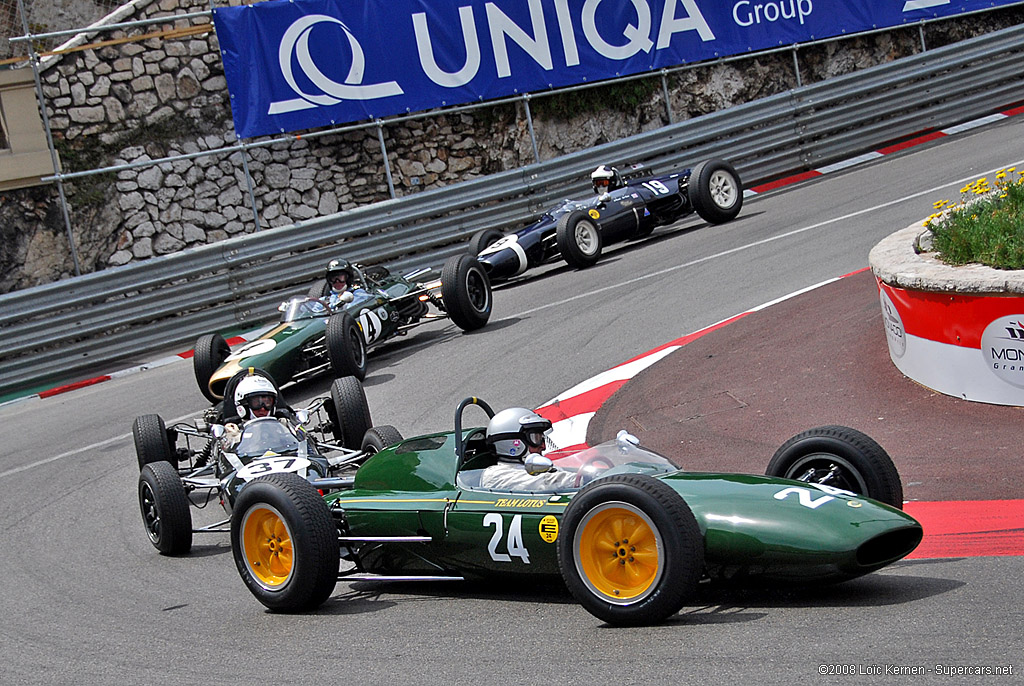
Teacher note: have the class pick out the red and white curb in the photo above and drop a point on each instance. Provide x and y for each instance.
(920, 139)
(570, 412)
(154, 364)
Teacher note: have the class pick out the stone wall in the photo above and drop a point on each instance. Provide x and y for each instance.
(162, 97)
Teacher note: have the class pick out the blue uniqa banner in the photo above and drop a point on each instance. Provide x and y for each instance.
(300, 64)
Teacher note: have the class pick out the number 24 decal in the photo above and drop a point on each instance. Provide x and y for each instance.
(514, 543)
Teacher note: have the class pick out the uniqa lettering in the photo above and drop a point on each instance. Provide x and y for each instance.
(746, 13)
(536, 42)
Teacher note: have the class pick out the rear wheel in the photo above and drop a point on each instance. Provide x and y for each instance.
(466, 292)
(152, 442)
(579, 239)
(346, 347)
(378, 438)
(165, 510)
(210, 352)
(631, 552)
(349, 412)
(285, 543)
(715, 191)
(840, 457)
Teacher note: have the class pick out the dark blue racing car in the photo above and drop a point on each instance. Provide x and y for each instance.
(623, 207)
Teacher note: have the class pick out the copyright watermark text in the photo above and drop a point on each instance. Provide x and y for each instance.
(849, 669)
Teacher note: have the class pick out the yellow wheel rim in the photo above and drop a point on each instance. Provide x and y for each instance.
(618, 553)
(267, 546)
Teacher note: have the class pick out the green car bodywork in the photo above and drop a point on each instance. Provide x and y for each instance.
(631, 545)
(750, 524)
(312, 336)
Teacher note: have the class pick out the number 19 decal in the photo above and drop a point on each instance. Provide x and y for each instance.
(514, 543)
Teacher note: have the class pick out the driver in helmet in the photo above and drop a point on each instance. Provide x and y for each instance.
(513, 434)
(343, 277)
(255, 396)
(606, 179)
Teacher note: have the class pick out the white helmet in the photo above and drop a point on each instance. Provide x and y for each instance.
(513, 431)
(249, 390)
(605, 179)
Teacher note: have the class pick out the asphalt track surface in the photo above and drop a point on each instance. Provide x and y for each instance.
(88, 600)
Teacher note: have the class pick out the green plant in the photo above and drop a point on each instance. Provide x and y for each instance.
(986, 226)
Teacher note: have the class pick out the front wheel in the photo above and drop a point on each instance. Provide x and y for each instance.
(152, 441)
(715, 191)
(165, 510)
(349, 412)
(579, 239)
(466, 292)
(483, 239)
(285, 543)
(840, 457)
(346, 347)
(631, 552)
(209, 354)
(379, 438)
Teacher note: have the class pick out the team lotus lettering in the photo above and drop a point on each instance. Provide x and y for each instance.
(749, 13)
(519, 502)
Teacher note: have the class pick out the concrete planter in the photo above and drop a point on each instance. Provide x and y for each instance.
(957, 330)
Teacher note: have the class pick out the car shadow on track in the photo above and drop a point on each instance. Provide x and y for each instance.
(610, 254)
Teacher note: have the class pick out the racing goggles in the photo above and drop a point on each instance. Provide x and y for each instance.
(533, 438)
(603, 183)
(342, 279)
(261, 402)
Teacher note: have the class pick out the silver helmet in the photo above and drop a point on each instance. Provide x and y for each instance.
(513, 431)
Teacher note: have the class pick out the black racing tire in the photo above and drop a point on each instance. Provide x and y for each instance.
(619, 583)
(346, 347)
(165, 511)
(579, 239)
(210, 352)
(466, 292)
(482, 239)
(379, 438)
(841, 457)
(715, 191)
(285, 543)
(152, 441)
(349, 412)
(318, 290)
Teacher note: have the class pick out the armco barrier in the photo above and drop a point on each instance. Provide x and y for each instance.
(64, 329)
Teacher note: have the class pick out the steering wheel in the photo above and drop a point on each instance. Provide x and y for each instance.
(589, 462)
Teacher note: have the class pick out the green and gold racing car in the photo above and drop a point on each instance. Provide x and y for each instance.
(631, 540)
(313, 337)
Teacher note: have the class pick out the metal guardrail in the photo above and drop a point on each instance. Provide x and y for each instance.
(77, 325)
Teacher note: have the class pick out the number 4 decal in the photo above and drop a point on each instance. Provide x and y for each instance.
(514, 544)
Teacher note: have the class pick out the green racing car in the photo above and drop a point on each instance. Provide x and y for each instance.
(312, 337)
(631, 539)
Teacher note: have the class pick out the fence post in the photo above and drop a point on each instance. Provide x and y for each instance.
(387, 163)
(668, 103)
(796, 67)
(34, 61)
(248, 183)
(529, 124)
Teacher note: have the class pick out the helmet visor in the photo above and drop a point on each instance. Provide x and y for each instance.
(534, 438)
(261, 402)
